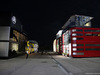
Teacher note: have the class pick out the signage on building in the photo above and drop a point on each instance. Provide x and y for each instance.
(13, 20)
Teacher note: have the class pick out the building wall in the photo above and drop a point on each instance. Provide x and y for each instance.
(12, 37)
(54, 45)
(4, 41)
(17, 41)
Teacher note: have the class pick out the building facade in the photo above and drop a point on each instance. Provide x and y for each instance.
(79, 39)
(12, 37)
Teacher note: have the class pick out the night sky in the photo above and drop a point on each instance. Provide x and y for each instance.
(42, 19)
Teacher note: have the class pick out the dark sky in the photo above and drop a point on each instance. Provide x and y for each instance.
(42, 19)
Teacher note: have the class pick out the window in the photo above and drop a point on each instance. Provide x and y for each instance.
(79, 30)
(81, 53)
(92, 30)
(92, 49)
(88, 34)
(95, 34)
(80, 44)
(80, 49)
(79, 34)
(88, 30)
(79, 38)
(92, 44)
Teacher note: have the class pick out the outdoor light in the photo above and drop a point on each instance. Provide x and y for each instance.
(15, 46)
(73, 30)
(74, 45)
(74, 49)
(73, 34)
(74, 38)
(87, 24)
(74, 53)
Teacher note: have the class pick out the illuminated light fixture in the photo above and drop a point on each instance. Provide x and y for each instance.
(74, 45)
(74, 53)
(15, 46)
(87, 24)
(73, 30)
(74, 49)
(74, 34)
(74, 38)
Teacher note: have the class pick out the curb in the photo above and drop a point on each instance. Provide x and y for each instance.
(67, 72)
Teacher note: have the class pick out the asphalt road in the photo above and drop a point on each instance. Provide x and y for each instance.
(36, 64)
(49, 64)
